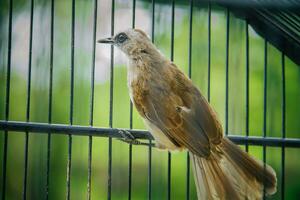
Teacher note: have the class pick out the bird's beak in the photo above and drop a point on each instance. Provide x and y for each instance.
(106, 41)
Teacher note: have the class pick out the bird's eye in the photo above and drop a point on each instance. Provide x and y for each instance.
(122, 37)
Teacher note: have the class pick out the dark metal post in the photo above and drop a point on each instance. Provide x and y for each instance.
(172, 58)
(150, 141)
(209, 51)
(92, 102)
(28, 102)
(283, 128)
(69, 164)
(7, 100)
(50, 100)
(247, 83)
(227, 70)
(111, 102)
(130, 120)
(265, 104)
(190, 76)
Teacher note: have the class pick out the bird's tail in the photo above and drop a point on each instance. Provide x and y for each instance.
(231, 173)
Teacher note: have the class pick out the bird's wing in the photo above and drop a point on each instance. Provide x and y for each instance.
(207, 119)
(164, 112)
(202, 113)
(181, 113)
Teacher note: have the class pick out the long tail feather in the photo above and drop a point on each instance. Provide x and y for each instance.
(231, 173)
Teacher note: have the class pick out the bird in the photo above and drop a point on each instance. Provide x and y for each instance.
(180, 118)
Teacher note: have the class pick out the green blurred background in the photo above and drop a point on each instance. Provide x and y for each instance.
(83, 65)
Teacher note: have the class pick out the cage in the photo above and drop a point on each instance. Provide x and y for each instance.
(64, 103)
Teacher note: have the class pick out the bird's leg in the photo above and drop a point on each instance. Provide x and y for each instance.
(130, 139)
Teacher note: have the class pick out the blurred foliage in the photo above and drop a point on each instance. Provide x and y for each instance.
(120, 113)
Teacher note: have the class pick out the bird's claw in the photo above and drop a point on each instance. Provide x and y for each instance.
(128, 137)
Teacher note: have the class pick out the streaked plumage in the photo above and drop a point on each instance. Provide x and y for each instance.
(179, 117)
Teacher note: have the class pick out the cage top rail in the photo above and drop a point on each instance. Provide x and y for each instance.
(35, 127)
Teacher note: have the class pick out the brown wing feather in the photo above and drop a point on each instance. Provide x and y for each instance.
(170, 117)
(179, 110)
(202, 113)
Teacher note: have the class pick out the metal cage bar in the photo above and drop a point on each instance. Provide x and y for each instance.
(227, 70)
(150, 141)
(172, 58)
(69, 163)
(265, 106)
(64, 129)
(28, 101)
(247, 83)
(131, 120)
(90, 144)
(8, 76)
(209, 51)
(283, 127)
(50, 100)
(109, 181)
(191, 2)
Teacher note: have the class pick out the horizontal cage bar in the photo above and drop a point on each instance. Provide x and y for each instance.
(35, 127)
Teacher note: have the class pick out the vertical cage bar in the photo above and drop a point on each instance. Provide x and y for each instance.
(69, 164)
(7, 99)
(227, 70)
(89, 168)
(92, 102)
(50, 100)
(131, 120)
(247, 84)
(190, 39)
(209, 50)
(130, 169)
(28, 102)
(190, 76)
(172, 30)
(172, 58)
(283, 127)
(150, 141)
(111, 102)
(169, 175)
(265, 104)
(130, 159)
(149, 169)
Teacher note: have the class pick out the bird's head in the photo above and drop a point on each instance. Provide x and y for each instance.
(132, 42)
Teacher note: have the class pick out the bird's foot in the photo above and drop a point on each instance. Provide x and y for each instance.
(130, 139)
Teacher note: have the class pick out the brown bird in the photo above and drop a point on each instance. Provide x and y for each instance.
(179, 117)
